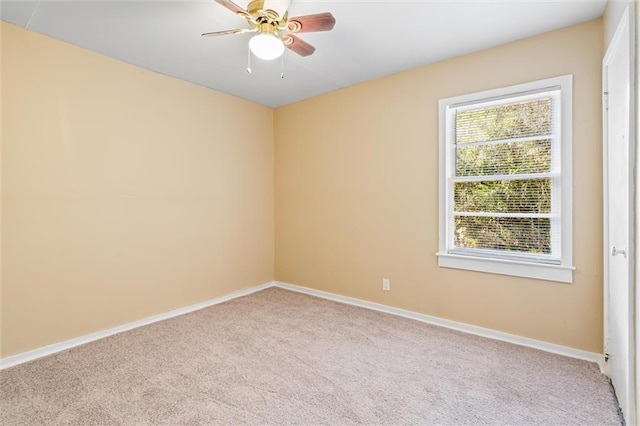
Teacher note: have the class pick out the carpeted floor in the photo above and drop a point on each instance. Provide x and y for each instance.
(279, 357)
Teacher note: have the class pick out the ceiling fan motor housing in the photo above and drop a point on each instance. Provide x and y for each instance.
(267, 28)
(272, 11)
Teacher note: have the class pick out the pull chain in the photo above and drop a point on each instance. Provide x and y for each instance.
(248, 59)
(249, 63)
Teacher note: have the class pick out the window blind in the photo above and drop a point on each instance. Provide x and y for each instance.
(505, 184)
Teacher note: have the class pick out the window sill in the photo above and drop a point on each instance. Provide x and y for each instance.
(540, 271)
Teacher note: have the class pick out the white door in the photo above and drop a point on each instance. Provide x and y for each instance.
(619, 152)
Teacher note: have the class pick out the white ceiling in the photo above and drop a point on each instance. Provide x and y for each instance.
(371, 38)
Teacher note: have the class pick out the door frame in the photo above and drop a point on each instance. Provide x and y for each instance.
(628, 20)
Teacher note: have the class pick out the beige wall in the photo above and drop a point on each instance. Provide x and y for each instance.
(357, 189)
(125, 193)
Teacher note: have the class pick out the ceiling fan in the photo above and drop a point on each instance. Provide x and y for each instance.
(275, 30)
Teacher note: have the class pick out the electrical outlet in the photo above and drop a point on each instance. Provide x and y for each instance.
(386, 284)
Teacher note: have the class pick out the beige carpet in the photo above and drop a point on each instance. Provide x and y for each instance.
(278, 357)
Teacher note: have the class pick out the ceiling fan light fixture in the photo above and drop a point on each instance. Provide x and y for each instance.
(266, 46)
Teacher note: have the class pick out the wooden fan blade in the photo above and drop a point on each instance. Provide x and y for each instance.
(311, 23)
(297, 45)
(226, 32)
(232, 7)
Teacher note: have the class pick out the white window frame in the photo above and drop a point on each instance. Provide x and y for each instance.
(492, 261)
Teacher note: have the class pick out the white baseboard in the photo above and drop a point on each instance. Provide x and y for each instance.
(459, 326)
(68, 344)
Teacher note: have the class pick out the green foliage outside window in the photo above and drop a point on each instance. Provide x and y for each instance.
(496, 155)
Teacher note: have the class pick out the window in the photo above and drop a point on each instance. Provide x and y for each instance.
(505, 181)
